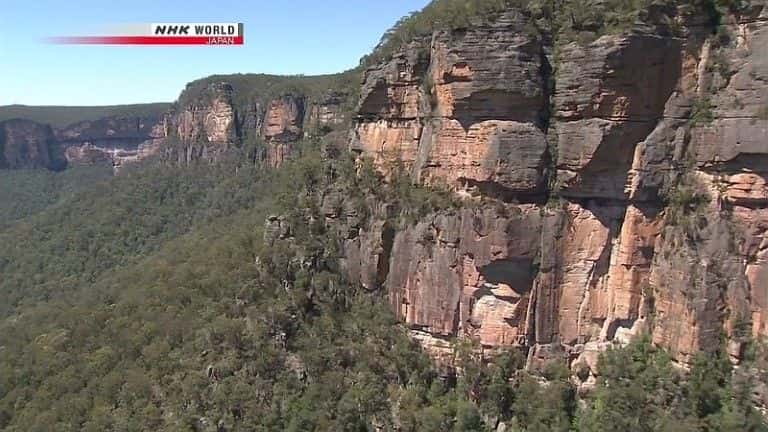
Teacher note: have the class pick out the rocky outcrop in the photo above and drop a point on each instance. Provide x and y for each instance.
(110, 131)
(27, 144)
(488, 112)
(282, 126)
(114, 140)
(717, 285)
(614, 187)
(630, 171)
(469, 272)
(610, 96)
(389, 122)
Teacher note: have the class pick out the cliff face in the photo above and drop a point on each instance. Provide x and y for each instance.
(205, 127)
(283, 124)
(631, 175)
(212, 119)
(616, 187)
(27, 144)
(115, 140)
(469, 110)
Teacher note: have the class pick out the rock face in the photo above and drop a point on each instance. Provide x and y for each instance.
(328, 110)
(613, 95)
(216, 119)
(649, 151)
(27, 144)
(389, 112)
(282, 126)
(115, 140)
(206, 126)
(618, 187)
(470, 110)
(459, 273)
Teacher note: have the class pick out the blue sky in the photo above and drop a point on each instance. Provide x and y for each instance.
(281, 37)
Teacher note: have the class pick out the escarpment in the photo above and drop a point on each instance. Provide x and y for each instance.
(263, 116)
(613, 188)
(266, 115)
(112, 139)
(205, 125)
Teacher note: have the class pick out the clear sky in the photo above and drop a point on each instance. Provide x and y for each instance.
(281, 37)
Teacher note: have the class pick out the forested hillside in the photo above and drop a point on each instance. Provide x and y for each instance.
(24, 193)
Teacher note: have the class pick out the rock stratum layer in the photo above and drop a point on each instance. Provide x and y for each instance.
(631, 176)
(116, 140)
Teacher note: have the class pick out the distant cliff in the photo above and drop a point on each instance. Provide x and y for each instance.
(116, 140)
(27, 144)
(34, 142)
(264, 114)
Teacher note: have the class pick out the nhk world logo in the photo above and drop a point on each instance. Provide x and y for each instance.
(163, 34)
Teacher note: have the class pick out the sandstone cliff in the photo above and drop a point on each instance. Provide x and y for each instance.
(114, 140)
(628, 176)
(263, 114)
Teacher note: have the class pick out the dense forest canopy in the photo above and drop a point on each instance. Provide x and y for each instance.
(27, 192)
